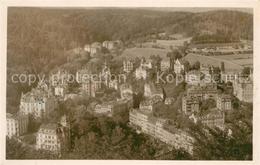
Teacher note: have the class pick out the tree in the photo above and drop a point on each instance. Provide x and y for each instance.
(207, 105)
(196, 65)
(222, 66)
(246, 71)
(187, 66)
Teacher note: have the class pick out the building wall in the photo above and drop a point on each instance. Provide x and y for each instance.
(155, 129)
(243, 91)
(128, 66)
(17, 125)
(224, 104)
(48, 140)
(189, 105)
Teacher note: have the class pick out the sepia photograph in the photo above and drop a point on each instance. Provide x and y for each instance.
(129, 83)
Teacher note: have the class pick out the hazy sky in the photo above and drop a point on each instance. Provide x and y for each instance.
(198, 9)
(184, 9)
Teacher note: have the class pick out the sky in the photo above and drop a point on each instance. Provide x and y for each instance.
(173, 9)
(198, 9)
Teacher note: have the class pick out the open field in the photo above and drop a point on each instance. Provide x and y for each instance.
(240, 59)
(235, 57)
(166, 44)
(132, 53)
(232, 62)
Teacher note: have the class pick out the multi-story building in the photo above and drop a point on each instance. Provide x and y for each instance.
(109, 45)
(178, 66)
(143, 121)
(90, 87)
(224, 102)
(243, 90)
(38, 103)
(60, 90)
(48, 138)
(113, 84)
(17, 124)
(190, 105)
(169, 100)
(93, 49)
(213, 118)
(229, 77)
(165, 64)
(104, 108)
(128, 66)
(126, 91)
(147, 105)
(140, 73)
(203, 92)
(110, 108)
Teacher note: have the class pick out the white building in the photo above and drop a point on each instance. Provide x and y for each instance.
(178, 66)
(143, 121)
(128, 66)
(113, 84)
(16, 124)
(93, 49)
(60, 90)
(105, 108)
(47, 138)
(224, 102)
(243, 90)
(229, 77)
(91, 87)
(140, 73)
(109, 45)
(38, 103)
(112, 107)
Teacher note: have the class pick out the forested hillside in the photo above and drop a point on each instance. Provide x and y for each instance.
(40, 35)
(38, 38)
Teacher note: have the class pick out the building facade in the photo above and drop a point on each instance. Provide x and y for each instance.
(224, 102)
(243, 90)
(38, 103)
(178, 67)
(128, 66)
(140, 73)
(203, 92)
(109, 45)
(16, 124)
(190, 105)
(143, 121)
(213, 118)
(47, 138)
(93, 49)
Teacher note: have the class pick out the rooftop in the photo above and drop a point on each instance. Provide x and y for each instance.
(49, 126)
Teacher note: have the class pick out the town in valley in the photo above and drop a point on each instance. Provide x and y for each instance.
(129, 84)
